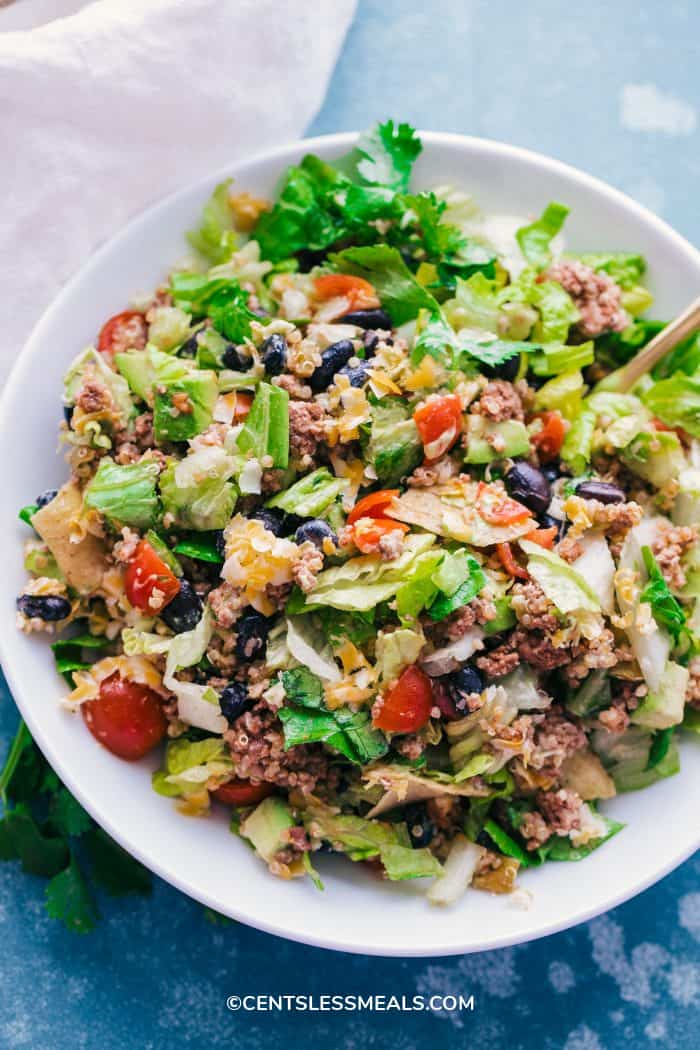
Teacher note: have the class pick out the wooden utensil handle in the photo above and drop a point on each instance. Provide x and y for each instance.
(683, 326)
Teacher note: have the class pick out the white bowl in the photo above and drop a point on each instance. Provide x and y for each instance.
(357, 912)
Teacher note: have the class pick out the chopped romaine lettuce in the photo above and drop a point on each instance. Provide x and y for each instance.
(555, 306)
(184, 407)
(459, 578)
(142, 369)
(394, 447)
(196, 490)
(625, 756)
(567, 589)
(625, 268)
(214, 238)
(92, 361)
(306, 718)
(535, 239)
(266, 429)
(578, 443)
(125, 495)
(396, 650)
(676, 401)
(310, 496)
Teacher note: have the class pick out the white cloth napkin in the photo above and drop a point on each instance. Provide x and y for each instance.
(116, 105)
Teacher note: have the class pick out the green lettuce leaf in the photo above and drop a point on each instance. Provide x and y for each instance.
(309, 496)
(535, 239)
(126, 495)
(666, 610)
(220, 298)
(563, 585)
(266, 429)
(214, 238)
(459, 578)
(305, 719)
(199, 501)
(555, 306)
(625, 268)
(394, 447)
(676, 401)
(400, 293)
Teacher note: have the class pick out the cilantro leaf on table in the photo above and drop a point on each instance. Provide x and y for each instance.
(666, 610)
(113, 868)
(21, 838)
(305, 719)
(67, 816)
(68, 899)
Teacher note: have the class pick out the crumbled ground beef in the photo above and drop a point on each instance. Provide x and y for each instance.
(538, 650)
(615, 718)
(256, 742)
(561, 809)
(569, 549)
(125, 548)
(94, 396)
(225, 603)
(294, 386)
(672, 543)
(273, 480)
(278, 593)
(308, 564)
(499, 661)
(591, 653)
(410, 746)
(129, 445)
(390, 545)
(692, 695)
(479, 610)
(499, 401)
(556, 737)
(221, 652)
(426, 476)
(596, 297)
(306, 428)
(445, 812)
(533, 608)
(534, 829)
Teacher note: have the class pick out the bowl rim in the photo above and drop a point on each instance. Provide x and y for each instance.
(282, 156)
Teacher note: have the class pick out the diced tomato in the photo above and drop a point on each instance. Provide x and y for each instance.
(372, 506)
(550, 438)
(241, 406)
(126, 718)
(498, 509)
(408, 704)
(149, 583)
(242, 793)
(543, 537)
(507, 560)
(124, 331)
(359, 293)
(439, 423)
(367, 532)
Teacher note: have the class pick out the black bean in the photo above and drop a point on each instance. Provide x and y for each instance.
(552, 472)
(273, 354)
(370, 342)
(316, 531)
(252, 629)
(184, 612)
(357, 375)
(461, 684)
(190, 347)
(368, 319)
(273, 520)
(421, 828)
(47, 607)
(506, 370)
(332, 360)
(528, 485)
(234, 358)
(308, 258)
(68, 413)
(603, 491)
(234, 700)
(547, 521)
(46, 497)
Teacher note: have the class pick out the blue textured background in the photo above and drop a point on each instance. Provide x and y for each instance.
(551, 76)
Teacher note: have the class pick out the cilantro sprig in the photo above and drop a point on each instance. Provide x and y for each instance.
(665, 608)
(47, 830)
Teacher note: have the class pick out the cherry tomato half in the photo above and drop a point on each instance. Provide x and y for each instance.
(543, 537)
(372, 506)
(550, 438)
(367, 532)
(498, 509)
(126, 718)
(439, 423)
(510, 565)
(242, 793)
(149, 583)
(125, 331)
(408, 704)
(359, 293)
